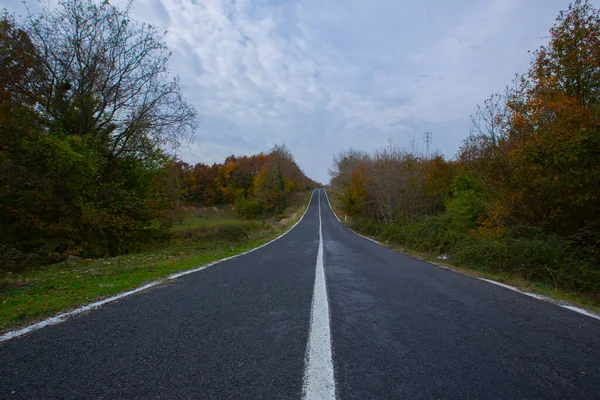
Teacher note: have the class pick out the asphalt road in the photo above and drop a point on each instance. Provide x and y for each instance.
(399, 328)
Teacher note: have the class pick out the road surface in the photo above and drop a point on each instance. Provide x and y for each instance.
(319, 313)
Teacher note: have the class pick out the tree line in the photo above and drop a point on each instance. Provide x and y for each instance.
(256, 185)
(522, 195)
(90, 118)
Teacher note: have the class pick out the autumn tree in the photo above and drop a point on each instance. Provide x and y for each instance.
(556, 136)
(256, 185)
(523, 194)
(99, 114)
(344, 164)
(439, 174)
(393, 185)
(536, 160)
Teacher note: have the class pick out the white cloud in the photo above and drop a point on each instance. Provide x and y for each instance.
(322, 76)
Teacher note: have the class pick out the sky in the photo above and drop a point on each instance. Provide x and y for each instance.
(321, 76)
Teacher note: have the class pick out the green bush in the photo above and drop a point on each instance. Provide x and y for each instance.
(366, 226)
(527, 252)
(480, 253)
(248, 209)
(431, 234)
(544, 258)
(231, 233)
(466, 207)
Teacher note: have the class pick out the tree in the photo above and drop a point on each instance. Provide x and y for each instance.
(106, 75)
(394, 185)
(524, 194)
(556, 150)
(270, 191)
(88, 114)
(344, 164)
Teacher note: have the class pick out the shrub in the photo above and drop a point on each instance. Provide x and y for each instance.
(367, 226)
(248, 209)
(526, 252)
(544, 258)
(231, 233)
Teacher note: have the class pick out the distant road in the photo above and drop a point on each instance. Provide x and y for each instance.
(320, 313)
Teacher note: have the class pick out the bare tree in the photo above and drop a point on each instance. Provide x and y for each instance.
(487, 120)
(490, 127)
(107, 75)
(397, 184)
(344, 164)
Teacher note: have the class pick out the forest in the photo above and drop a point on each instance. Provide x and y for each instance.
(521, 197)
(90, 120)
(256, 185)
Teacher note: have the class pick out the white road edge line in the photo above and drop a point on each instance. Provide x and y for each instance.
(319, 381)
(64, 316)
(328, 202)
(340, 221)
(514, 289)
(545, 298)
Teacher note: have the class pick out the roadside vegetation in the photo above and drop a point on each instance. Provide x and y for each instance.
(92, 199)
(522, 197)
(203, 236)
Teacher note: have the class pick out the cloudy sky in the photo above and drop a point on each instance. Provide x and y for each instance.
(324, 75)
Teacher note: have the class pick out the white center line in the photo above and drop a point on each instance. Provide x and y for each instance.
(319, 382)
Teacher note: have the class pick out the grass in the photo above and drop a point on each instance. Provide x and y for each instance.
(333, 195)
(206, 217)
(203, 236)
(582, 300)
